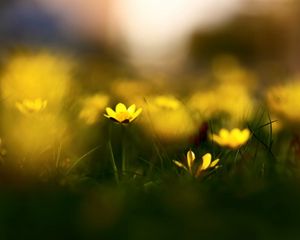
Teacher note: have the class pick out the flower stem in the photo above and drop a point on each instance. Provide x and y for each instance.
(124, 163)
(112, 158)
(236, 156)
(113, 162)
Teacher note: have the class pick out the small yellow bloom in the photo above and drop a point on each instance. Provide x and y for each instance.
(34, 75)
(31, 106)
(232, 139)
(131, 89)
(168, 119)
(190, 158)
(283, 101)
(123, 114)
(237, 103)
(92, 107)
(166, 102)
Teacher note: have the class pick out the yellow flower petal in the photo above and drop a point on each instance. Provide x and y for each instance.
(179, 164)
(110, 112)
(245, 134)
(136, 114)
(206, 161)
(224, 133)
(31, 106)
(214, 163)
(121, 108)
(216, 138)
(190, 157)
(131, 109)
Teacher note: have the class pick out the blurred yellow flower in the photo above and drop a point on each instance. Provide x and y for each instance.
(31, 106)
(166, 102)
(131, 90)
(168, 119)
(203, 104)
(92, 108)
(196, 171)
(122, 114)
(228, 70)
(232, 139)
(284, 103)
(30, 76)
(231, 94)
(32, 83)
(233, 100)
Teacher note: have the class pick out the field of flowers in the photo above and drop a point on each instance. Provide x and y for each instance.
(93, 150)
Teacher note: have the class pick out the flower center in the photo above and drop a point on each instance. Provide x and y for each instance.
(122, 116)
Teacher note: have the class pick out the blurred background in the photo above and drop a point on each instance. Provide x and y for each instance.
(170, 35)
(194, 67)
(63, 61)
(185, 61)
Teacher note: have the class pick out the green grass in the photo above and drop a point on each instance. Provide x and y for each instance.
(254, 194)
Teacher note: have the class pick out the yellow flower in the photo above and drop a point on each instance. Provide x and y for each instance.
(227, 69)
(32, 75)
(123, 114)
(131, 90)
(231, 96)
(28, 106)
(232, 139)
(190, 158)
(167, 102)
(39, 85)
(168, 119)
(283, 101)
(92, 107)
(236, 102)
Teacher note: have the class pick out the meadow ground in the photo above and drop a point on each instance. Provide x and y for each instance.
(146, 158)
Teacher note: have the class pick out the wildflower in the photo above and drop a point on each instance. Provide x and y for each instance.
(32, 83)
(168, 118)
(92, 107)
(167, 102)
(236, 102)
(207, 163)
(227, 69)
(283, 101)
(232, 139)
(123, 114)
(234, 87)
(31, 75)
(31, 106)
(131, 89)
